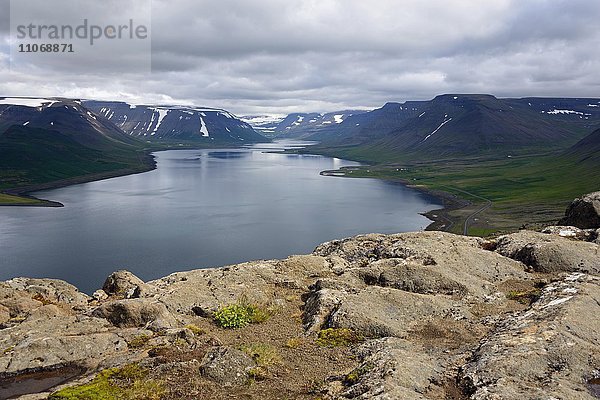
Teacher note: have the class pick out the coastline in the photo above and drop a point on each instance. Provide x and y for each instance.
(440, 218)
(149, 164)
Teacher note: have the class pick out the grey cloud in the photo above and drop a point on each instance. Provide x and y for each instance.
(322, 55)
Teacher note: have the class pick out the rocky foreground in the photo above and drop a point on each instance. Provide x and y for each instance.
(425, 315)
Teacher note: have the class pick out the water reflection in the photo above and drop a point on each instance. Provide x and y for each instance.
(200, 208)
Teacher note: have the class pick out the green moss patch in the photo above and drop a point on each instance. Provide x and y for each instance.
(334, 337)
(130, 382)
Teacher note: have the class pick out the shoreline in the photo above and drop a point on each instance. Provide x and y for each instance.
(25, 191)
(440, 218)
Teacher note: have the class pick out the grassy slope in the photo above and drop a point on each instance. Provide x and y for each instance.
(10, 200)
(30, 157)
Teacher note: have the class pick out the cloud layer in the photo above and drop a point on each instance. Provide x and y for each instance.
(265, 56)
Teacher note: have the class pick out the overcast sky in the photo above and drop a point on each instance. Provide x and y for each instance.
(280, 56)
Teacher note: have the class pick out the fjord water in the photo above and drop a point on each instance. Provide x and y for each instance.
(199, 209)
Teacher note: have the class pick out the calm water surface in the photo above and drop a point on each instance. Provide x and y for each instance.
(199, 209)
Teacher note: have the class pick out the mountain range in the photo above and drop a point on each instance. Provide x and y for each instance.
(298, 125)
(46, 140)
(175, 123)
(461, 125)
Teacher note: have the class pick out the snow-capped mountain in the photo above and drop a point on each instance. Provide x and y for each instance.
(176, 123)
(265, 124)
(66, 116)
(298, 125)
(466, 124)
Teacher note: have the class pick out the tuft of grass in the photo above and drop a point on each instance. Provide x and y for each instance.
(527, 298)
(196, 330)
(264, 355)
(139, 341)
(127, 383)
(354, 376)
(334, 337)
(294, 343)
(258, 374)
(241, 314)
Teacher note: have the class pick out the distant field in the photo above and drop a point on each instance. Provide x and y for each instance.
(6, 199)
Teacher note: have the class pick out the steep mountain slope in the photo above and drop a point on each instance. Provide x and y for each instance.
(368, 126)
(464, 125)
(45, 140)
(176, 123)
(63, 115)
(581, 112)
(587, 150)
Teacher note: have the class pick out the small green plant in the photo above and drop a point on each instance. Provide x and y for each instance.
(293, 343)
(138, 341)
(527, 297)
(127, 383)
(354, 376)
(240, 314)
(334, 337)
(196, 330)
(8, 349)
(258, 374)
(264, 355)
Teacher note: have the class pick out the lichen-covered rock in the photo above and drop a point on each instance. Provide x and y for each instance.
(584, 212)
(100, 295)
(400, 274)
(50, 290)
(434, 309)
(19, 303)
(4, 314)
(382, 312)
(146, 313)
(227, 366)
(50, 339)
(448, 258)
(572, 232)
(318, 307)
(545, 352)
(549, 253)
(391, 368)
(201, 292)
(123, 283)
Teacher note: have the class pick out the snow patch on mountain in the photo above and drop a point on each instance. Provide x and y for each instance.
(203, 128)
(438, 128)
(27, 102)
(556, 111)
(162, 113)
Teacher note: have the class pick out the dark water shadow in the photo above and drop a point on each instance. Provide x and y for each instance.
(36, 382)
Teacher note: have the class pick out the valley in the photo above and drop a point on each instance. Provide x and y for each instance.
(498, 164)
(56, 142)
(501, 164)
